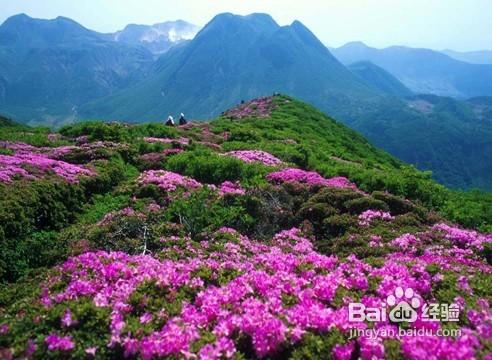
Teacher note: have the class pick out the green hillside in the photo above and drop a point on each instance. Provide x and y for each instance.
(379, 78)
(245, 238)
(449, 137)
(293, 131)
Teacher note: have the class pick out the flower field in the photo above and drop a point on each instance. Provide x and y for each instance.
(148, 246)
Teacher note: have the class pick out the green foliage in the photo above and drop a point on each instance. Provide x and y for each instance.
(100, 205)
(317, 346)
(397, 205)
(115, 131)
(208, 167)
(357, 206)
(109, 174)
(27, 207)
(472, 209)
(487, 252)
(33, 212)
(337, 225)
(200, 212)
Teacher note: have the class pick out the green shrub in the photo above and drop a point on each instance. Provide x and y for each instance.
(201, 211)
(397, 205)
(409, 219)
(337, 225)
(487, 252)
(335, 197)
(317, 346)
(207, 167)
(316, 212)
(357, 206)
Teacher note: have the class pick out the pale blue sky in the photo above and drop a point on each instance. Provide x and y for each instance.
(437, 24)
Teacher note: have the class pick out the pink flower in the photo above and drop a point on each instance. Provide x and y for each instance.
(63, 343)
(255, 156)
(368, 216)
(405, 241)
(181, 140)
(343, 352)
(145, 318)
(309, 178)
(463, 238)
(259, 108)
(12, 166)
(228, 187)
(91, 351)
(168, 180)
(66, 319)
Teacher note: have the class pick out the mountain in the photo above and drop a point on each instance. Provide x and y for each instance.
(233, 58)
(56, 71)
(474, 57)
(422, 70)
(157, 38)
(379, 78)
(48, 68)
(236, 58)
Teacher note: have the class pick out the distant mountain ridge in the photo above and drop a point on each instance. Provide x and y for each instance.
(474, 57)
(423, 70)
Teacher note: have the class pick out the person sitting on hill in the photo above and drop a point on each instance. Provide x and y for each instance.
(182, 119)
(170, 121)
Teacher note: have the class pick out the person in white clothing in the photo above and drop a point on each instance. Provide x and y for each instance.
(170, 121)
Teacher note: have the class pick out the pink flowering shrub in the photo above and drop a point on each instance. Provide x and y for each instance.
(181, 140)
(31, 166)
(255, 156)
(167, 180)
(261, 108)
(231, 287)
(171, 277)
(405, 241)
(463, 238)
(309, 178)
(63, 343)
(368, 216)
(229, 187)
(88, 151)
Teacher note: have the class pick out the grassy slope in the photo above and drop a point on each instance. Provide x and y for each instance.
(296, 133)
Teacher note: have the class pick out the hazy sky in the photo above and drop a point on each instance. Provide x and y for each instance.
(437, 24)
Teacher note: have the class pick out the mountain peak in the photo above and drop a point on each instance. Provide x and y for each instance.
(262, 18)
(64, 19)
(227, 21)
(306, 35)
(16, 20)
